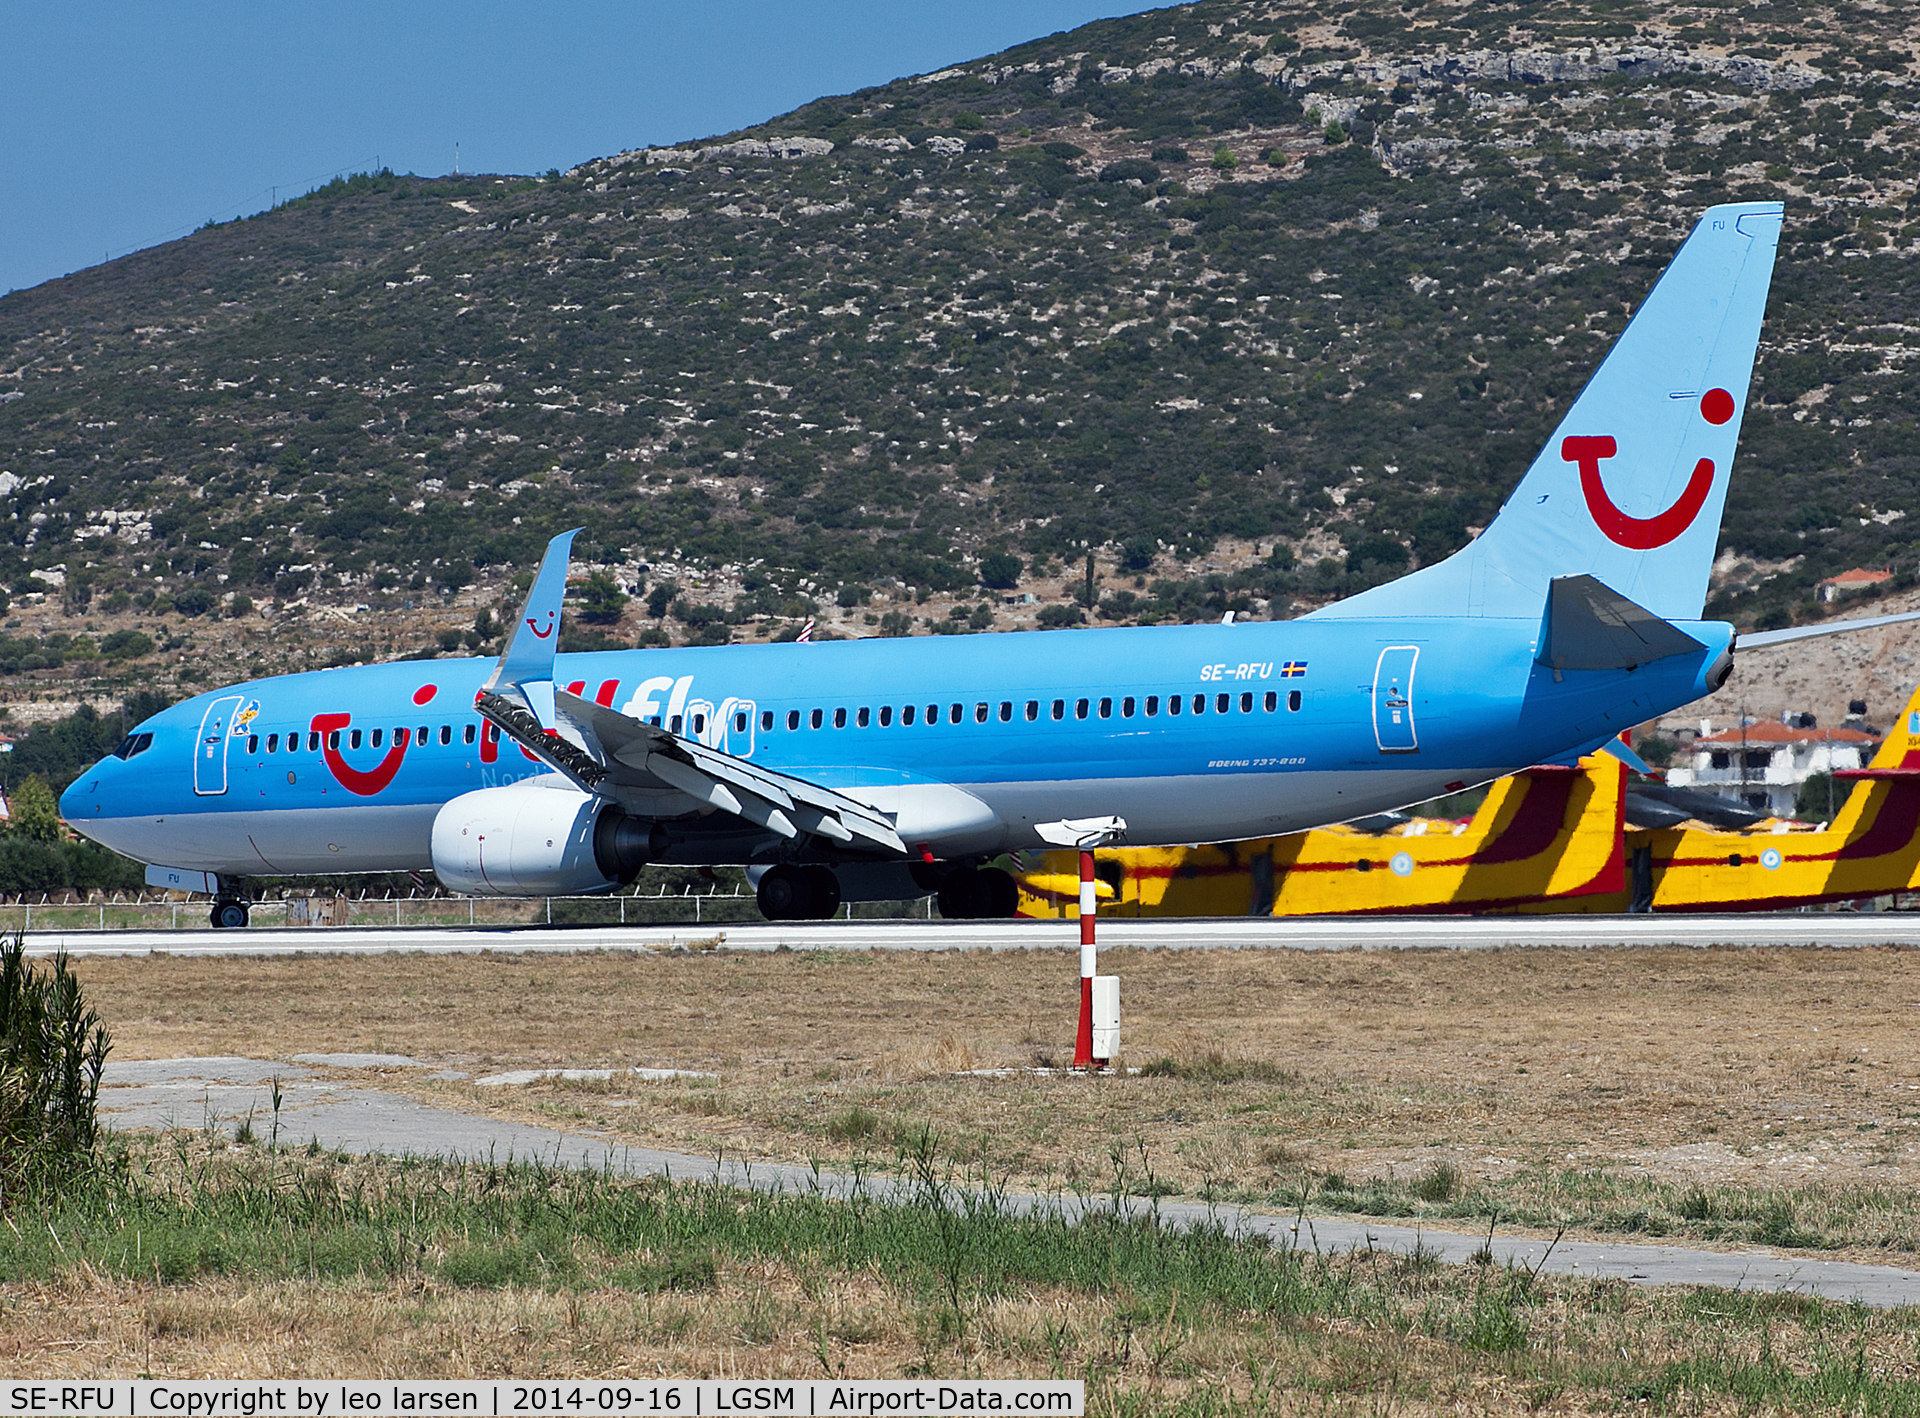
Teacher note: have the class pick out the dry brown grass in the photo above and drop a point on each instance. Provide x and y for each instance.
(1729, 1070)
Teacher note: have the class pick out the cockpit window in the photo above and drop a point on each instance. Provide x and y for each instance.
(133, 745)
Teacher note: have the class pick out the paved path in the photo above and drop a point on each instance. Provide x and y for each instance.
(354, 1117)
(1829, 929)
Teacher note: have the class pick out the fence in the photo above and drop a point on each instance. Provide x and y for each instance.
(98, 911)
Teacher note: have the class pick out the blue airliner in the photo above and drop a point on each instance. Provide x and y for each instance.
(885, 768)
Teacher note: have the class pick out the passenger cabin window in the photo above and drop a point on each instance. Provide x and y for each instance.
(886, 716)
(979, 713)
(1033, 710)
(1126, 708)
(793, 718)
(313, 740)
(401, 738)
(333, 739)
(1246, 703)
(1006, 711)
(1222, 703)
(1080, 709)
(674, 726)
(1272, 701)
(446, 733)
(863, 718)
(933, 715)
(840, 718)
(1293, 701)
(1106, 708)
(421, 736)
(766, 720)
(1173, 704)
(954, 712)
(468, 736)
(1153, 706)
(817, 718)
(906, 715)
(353, 739)
(740, 722)
(1059, 708)
(253, 743)
(1199, 703)
(273, 743)
(699, 723)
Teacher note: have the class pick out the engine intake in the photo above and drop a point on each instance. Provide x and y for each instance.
(539, 837)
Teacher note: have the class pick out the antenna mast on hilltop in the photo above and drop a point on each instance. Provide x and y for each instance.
(456, 159)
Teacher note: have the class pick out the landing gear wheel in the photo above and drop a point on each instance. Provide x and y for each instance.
(955, 897)
(782, 895)
(823, 893)
(998, 894)
(985, 894)
(229, 915)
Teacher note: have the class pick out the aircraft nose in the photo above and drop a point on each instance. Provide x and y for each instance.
(83, 798)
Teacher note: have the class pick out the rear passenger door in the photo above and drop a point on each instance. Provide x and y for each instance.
(1393, 726)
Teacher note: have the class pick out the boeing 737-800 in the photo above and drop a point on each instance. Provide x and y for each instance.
(876, 769)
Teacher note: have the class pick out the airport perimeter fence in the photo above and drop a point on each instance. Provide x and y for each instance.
(150, 911)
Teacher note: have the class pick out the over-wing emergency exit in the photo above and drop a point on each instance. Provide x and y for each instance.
(877, 769)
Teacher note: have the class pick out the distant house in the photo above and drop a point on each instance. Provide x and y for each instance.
(1763, 765)
(1858, 579)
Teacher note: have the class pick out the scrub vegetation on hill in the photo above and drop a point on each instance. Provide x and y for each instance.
(1292, 292)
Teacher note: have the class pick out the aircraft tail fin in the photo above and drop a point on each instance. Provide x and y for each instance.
(526, 660)
(1630, 488)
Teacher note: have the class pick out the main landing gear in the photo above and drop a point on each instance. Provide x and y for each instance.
(985, 893)
(229, 914)
(798, 894)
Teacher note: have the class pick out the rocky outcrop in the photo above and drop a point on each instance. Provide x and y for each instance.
(1539, 66)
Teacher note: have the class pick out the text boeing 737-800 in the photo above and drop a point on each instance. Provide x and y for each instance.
(876, 769)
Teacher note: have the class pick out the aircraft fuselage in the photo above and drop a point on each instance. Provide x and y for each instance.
(1189, 733)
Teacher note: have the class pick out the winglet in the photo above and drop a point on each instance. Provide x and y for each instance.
(527, 658)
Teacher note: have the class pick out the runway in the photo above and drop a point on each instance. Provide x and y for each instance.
(1832, 930)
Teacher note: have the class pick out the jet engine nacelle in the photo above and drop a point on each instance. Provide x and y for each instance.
(539, 837)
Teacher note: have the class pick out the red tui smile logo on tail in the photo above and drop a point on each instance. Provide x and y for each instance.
(1645, 533)
(538, 633)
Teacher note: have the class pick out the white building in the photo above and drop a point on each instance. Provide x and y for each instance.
(1763, 765)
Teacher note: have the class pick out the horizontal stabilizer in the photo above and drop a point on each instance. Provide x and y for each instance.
(1831, 627)
(1619, 750)
(1591, 626)
(1884, 775)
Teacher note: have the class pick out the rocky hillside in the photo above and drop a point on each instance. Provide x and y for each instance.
(1253, 303)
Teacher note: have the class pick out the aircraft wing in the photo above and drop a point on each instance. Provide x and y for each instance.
(638, 755)
(603, 752)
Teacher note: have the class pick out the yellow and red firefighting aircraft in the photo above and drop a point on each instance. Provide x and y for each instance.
(1549, 840)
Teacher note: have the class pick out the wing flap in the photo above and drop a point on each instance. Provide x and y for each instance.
(642, 756)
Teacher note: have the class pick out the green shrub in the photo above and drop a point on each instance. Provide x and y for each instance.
(52, 1049)
(1000, 570)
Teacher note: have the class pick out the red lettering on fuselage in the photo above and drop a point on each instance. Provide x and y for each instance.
(366, 784)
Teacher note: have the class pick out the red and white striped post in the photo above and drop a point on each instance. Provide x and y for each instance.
(1083, 1041)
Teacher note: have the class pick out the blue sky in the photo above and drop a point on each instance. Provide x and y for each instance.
(130, 124)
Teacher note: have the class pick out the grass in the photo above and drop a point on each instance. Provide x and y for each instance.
(1727, 1097)
(190, 1255)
